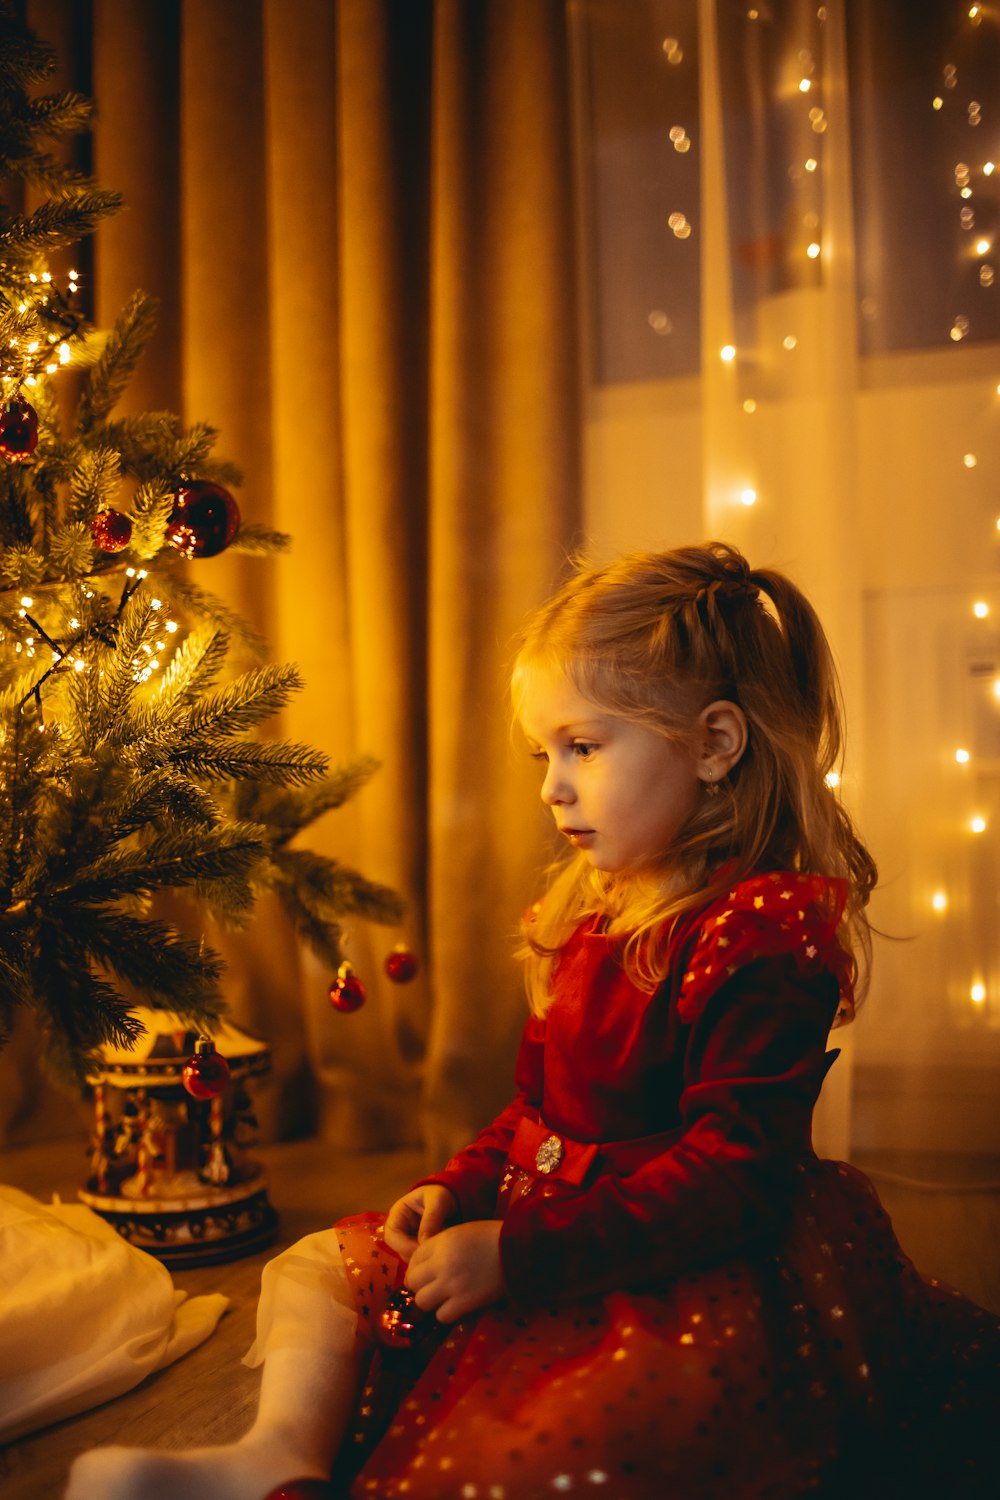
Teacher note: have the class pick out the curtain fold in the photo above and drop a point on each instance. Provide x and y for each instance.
(358, 217)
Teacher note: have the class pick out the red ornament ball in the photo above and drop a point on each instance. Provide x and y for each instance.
(347, 993)
(204, 520)
(401, 1322)
(206, 1074)
(18, 429)
(401, 965)
(111, 530)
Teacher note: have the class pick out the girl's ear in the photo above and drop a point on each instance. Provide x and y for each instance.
(723, 736)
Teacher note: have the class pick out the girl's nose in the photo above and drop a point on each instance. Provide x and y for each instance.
(555, 788)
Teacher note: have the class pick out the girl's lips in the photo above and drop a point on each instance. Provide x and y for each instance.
(580, 836)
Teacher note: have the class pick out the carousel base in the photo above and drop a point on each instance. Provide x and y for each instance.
(203, 1227)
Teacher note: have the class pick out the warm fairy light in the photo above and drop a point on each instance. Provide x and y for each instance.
(813, 250)
(65, 354)
(832, 779)
(939, 901)
(672, 50)
(727, 353)
(980, 609)
(156, 603)
(26, 601)
(989, 167)
(977, 824)
(748, 497)
(659, 322)
(680, 226)
(974, 12)
(937, 102)
(79, 665)
(982, 247)
(959, 328)
(805, 84)
(962, 756)
(811, 164)
(996, 687)
(789, 341)
(750, 406)
(977, 992)
(171, 626)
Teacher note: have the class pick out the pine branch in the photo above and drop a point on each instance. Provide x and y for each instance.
(324, 937)
(107, 380)
(148, 954)
(288, 810)
(56, 222)
(236, 759)
(208, 606)
(240, 705)
(25, 60)
(196, 664)
(117, 676)
(93, 482)
(260, 542)
(178, 859)
(158, 796)
(330, 889)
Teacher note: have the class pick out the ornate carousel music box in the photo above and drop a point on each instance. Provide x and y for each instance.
(170, 1163)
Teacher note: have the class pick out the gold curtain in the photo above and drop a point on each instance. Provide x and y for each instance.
(358, 217)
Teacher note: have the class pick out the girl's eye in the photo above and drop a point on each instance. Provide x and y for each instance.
(583, 749)
(538, 755)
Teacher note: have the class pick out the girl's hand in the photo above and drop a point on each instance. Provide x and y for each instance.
(458, 1270)
(416, 1216)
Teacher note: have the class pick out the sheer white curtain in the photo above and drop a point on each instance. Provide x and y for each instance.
(793, 346)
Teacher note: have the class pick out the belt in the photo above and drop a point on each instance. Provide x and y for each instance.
(538, 1149)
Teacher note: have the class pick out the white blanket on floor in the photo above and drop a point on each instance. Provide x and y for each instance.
(84, 1316)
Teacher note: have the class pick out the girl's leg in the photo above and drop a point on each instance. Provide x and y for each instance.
(305, 1333)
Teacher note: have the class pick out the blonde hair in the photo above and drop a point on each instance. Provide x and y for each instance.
(655, 637)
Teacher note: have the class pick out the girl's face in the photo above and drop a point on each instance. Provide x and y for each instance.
(618, 791)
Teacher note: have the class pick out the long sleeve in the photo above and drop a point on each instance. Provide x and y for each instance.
(473, 1174)
(754, 1064)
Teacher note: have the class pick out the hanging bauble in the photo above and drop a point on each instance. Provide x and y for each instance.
(206, 1074)
(401, 1322)
(204, 520)
(18, 429)
(401, 965)
(111, 530)
(347, 993)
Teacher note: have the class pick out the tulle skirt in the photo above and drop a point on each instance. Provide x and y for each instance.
(825, 1365)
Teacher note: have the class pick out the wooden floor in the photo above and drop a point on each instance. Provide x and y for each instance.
(952, 1232)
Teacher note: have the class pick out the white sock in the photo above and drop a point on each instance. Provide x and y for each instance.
(306, 1398)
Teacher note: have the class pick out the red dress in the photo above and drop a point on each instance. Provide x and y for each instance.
(697, 1307)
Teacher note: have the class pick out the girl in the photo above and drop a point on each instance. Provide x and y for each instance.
(639, 1281)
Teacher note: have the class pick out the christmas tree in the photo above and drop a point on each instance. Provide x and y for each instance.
(129, 764)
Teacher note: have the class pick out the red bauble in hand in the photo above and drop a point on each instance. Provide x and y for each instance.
(111, 530)
(206, 1074)
(204, 520)
(401, 965)
(18, 429)
(402, 1323)
(346, 992)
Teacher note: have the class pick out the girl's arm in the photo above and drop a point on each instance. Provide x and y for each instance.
(755, 1061)
(473, 1175)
